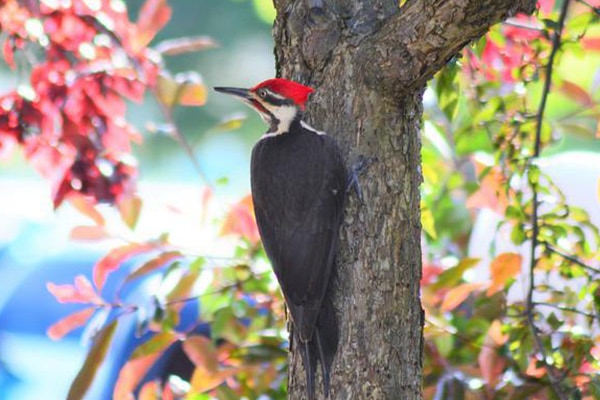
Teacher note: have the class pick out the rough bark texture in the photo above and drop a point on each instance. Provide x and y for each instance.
(370, 61)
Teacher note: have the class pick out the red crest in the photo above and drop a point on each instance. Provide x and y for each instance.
(288, 89)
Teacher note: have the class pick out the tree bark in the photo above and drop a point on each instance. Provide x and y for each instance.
(369, 61)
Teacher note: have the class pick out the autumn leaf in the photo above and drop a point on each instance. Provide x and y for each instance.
(241, 221)
(576, 93)
(490, 360)
(92, 362)
(491, 193)
(113, 260)
(184, 89)
(504, 267)
(153, 16)
(81, 292)
(202, 352)
(457, 295)
(154, 264)
(131, 374)
(70, 322)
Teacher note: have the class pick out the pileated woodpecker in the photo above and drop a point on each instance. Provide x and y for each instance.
(298, 180)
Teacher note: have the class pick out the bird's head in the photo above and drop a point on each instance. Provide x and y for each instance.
(278, 101)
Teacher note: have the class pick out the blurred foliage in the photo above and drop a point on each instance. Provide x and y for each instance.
(487, 123)
(527, 89)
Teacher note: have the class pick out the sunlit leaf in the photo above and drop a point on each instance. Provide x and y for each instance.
(70, 322)
(113, 260)
(452, 276)
(202, 352)
(427, 221)
(231, 122)
(457, 295)
(504, 267)
(92, 362)
(173, 47)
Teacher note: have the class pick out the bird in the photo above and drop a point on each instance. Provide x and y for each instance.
(298, 183)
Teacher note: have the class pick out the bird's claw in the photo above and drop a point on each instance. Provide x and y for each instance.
(361, 164)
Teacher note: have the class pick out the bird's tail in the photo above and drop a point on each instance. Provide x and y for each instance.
(321, 348)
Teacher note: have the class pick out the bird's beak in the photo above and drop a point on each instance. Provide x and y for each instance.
(242, 93)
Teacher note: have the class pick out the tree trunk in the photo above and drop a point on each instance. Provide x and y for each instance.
(369, 61)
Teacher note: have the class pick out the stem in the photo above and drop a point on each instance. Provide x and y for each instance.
(571, 259)
(530, 305)
(168, 116)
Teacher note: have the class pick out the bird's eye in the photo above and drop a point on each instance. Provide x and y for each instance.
(262, 93)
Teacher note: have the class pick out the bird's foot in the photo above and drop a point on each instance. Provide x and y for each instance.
(356, 170)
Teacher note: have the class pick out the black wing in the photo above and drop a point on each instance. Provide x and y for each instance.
(298, 185)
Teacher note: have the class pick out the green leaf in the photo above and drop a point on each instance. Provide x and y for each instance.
(452, 276)
(92, 362)
(156, 344)
(428, 221)
(447, 90)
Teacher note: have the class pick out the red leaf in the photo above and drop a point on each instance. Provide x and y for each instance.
(576, 93)
(184, 45)
(131, 374)
(70, 322)
(153, 16)
(81, 292)
(113, 260)
(97, 353)
(154, 264)
(241, 221)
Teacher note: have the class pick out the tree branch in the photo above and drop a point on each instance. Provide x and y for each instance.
(530, 305)
(416, 42)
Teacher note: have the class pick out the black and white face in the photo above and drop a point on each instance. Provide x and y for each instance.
(277, 111)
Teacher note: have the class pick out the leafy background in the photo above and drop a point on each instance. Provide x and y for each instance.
(175, 268)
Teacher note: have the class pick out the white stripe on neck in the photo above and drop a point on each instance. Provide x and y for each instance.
(310, 128)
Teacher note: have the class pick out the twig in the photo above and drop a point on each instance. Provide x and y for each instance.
(566, 309)
(571, 258)
(168, 116)
(530, 305)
